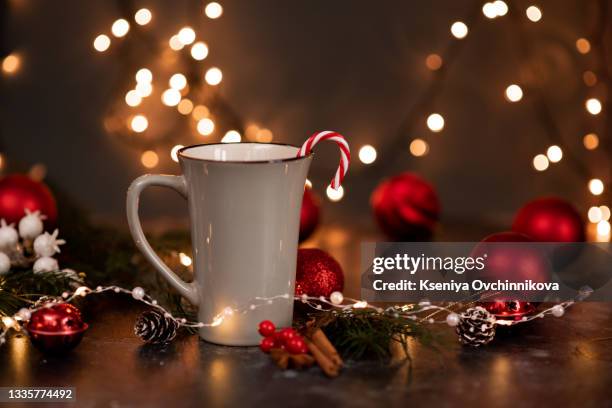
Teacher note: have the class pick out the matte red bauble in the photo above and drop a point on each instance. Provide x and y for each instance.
(550, 220)
(309, 216)
(57, 328)
(318, 274)
(406, 207)
(18, 192)
(515, 263)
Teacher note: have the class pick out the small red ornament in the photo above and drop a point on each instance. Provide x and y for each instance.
(318, 274)
(287, 334)
(56, 328)
(295, 345)
(266, 328)
(550, 219)
(18, 192)
(310, 213)
(406, 207)
(267, 344)
(514, 263)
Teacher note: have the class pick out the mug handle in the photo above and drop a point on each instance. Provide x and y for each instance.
(188, 290)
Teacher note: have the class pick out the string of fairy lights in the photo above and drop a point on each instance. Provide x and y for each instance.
(176, 95)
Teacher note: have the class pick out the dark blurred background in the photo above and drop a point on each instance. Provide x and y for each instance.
(357, 67)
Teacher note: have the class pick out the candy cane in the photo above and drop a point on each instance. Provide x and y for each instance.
(345, 153)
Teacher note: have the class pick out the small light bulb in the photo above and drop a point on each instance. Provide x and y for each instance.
(334, 195)
(144, 89)
(514, 93)
(199, 51)
(583, 45)
(232, 136)
(593, 106)
(213, 10)
(596, 186)
(143, 16)
(367, 154)
(554, 153)
(174, 157)
(459, 29)
(501, 8)
(213, 76)
(435, 122)
(489, 10)
(139, 123)
(205, 126)
(186, 35)
(101, 43)
(120, 27)
(540, 162)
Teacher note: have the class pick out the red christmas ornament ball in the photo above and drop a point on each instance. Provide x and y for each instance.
(266, 328)
(318, 273)
(267, 344)
(57, 328)
(287, 334)
(406, 207)
(515, 263)
(550, 219)
(18, 192)
(295, 345)
(310, 214)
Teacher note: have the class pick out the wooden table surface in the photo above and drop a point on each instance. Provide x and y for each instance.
(551, 362)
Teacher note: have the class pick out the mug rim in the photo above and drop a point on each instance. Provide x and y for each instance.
(180, 153)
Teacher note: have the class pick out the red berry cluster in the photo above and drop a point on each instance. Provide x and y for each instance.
(286, 339)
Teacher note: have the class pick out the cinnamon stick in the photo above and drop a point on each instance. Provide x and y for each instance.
(280, 357)
(327, 365)
(320, 339)
(301, 360)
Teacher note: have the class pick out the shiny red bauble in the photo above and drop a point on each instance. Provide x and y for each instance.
(406, 207)
(516, 263)
(56, 328)
(318, 273)
(310, 214)
(18, 192)
(287, 334)
(266, 328)
(296, 345)
(550, 219)
(267, 344)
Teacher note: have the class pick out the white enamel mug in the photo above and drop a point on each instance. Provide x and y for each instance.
(244, 206)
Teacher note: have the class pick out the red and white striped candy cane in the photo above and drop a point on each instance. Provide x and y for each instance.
(345, 153)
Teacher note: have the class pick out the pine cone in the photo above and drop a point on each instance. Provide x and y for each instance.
(476, 327)
(155, 328)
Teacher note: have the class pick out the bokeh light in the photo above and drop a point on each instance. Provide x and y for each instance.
(120, 28)
(589, 78)
(143, 16)
(596, 186)
(514, 93)
(583, 45)
(264, 136)
(459, 29)
(419, 147)
(213, 76)
(144, 89)
(593, 106)
(132, 98)
(540, 162)
(101, 43)
(554, 154)
(149, 159)
(231, 136)
(200, 112)
(144, 75)
(435, 122)
(335, 195)
(186, 35)
(590, 141)
(206, 126)
(213, 10)
(603, 228)
(175, 43)
(174, 152)
(177, 81)
(11, 64)
(533, 13)
(185, 259)
(171, 97)
(594, 215)
(367, 154)
(605, 212)
(185, 106)
(139, 123)
(433, 62)
(199, 51)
